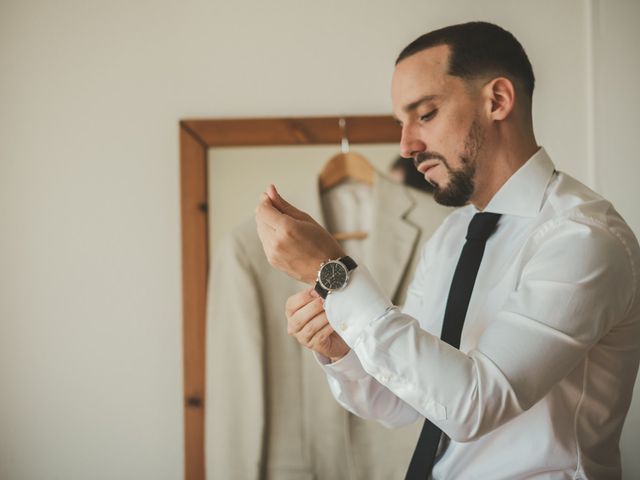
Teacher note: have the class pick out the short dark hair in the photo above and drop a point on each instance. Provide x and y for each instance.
(478, 49)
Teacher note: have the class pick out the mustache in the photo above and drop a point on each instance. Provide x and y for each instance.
(424, 156)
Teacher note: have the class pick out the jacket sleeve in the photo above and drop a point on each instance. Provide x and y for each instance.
(235, 391)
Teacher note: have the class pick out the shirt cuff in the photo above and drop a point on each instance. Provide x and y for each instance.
(352, 310)
(347, 368)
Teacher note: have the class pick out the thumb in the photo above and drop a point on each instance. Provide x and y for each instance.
(284, 206)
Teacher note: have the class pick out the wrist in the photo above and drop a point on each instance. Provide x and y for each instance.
(312, 274)
(317, 263)
(335, 359)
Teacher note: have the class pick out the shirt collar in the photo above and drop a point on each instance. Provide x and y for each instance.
(522, 194)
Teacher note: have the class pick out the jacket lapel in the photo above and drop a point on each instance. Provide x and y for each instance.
(392, 238)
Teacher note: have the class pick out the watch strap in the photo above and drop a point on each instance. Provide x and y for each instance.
(321, 291)
(348, 262)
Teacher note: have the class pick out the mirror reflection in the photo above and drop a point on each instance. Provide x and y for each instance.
(269, 411)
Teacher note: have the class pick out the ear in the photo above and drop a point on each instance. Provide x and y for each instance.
(501, 98)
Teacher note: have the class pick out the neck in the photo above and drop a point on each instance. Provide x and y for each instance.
(501, 159)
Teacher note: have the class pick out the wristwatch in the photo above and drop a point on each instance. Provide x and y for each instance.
(334, 275)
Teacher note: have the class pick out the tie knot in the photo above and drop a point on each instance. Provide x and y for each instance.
(482, 226)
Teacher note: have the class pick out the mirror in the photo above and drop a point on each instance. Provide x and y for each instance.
(267, 400)
(300, 145)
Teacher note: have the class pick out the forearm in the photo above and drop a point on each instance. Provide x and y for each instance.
(466, 399)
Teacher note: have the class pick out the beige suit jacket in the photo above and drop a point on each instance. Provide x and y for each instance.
(269, 412)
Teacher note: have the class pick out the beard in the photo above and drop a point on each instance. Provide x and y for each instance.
(461, 183)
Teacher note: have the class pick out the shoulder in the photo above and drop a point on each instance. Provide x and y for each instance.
(571, 208)
(580, 231)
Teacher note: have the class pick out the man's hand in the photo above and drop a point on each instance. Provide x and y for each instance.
(293, 241)
(307, 322)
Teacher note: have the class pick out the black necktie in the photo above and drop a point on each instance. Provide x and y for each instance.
(480, 229)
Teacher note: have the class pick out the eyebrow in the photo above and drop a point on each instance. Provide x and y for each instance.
(413, 105)
(417, 103)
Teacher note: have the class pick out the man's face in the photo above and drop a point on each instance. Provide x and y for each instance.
(441, 127)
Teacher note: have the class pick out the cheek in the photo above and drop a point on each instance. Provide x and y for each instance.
(447, 137)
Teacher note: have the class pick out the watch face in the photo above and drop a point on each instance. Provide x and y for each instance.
(333, 275)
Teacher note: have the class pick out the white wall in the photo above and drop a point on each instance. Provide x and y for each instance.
(616, 128)
(90, 96)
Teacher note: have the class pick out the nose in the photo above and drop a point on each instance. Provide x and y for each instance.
(410, 142)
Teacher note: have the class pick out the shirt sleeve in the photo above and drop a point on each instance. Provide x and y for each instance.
(575, 284)
(352, 386)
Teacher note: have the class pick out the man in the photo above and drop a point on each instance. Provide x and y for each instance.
(542, 272)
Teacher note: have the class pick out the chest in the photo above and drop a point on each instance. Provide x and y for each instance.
(497, 278)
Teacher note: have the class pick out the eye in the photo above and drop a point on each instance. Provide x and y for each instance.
(429, 116)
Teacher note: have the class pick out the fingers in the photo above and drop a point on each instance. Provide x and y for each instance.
(299, 300)
(266, 214)
(266, 232)
(270, 219)
(285, 207)
(307, 322)
(304, 315)
(311, 329)
(263, 226)
(279, 202)
(314, 332)
(320, 337)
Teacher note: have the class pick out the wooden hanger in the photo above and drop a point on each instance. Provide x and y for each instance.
(357, 235)
(343, 166)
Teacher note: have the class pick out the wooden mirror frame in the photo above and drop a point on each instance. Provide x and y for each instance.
(196, 138)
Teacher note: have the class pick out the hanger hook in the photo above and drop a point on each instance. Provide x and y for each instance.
(344, 144)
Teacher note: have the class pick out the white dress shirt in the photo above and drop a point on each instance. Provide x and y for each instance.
(550, 347)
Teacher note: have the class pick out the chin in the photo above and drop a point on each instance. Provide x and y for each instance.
(444, 196)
